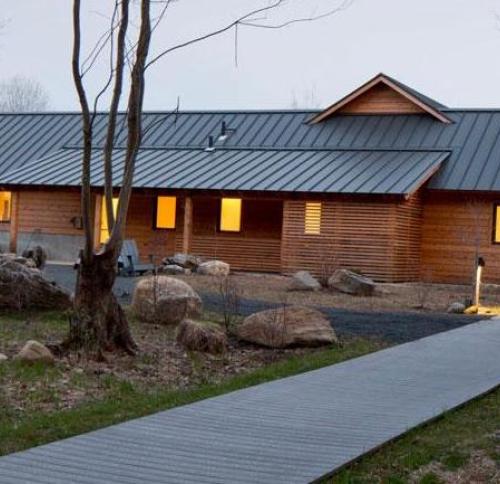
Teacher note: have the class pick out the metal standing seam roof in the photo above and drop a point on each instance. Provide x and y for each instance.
(319, 171)
(473, 139)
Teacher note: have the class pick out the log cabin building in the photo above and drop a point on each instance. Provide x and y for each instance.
(385, 181)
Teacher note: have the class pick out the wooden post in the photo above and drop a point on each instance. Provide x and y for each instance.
(14, 221)
(188, 225)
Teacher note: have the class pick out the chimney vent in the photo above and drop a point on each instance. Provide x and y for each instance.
(211, 145)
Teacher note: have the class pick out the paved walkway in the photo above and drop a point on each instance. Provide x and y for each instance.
(293, 430)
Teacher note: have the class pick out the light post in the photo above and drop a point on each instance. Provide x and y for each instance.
(480, 263)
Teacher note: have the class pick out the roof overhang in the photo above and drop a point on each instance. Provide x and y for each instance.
(381, 79)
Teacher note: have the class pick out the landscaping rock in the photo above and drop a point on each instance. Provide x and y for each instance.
(349, 282)
(34, 352)
(187, 261)
(3, 358)
(171, 269)
(214, 268)
(287, 326)
(304, 281)
(165, 300)
(456, 308)
(201, 336)
(36, 254)
(22, 288)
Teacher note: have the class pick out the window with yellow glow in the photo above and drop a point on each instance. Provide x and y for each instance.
(104, 232)
(496, 228)
(230, 215)
(312, 222)
(165, 212)
(5, 206)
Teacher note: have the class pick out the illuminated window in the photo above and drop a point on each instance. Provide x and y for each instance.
(104, 232)
(230, 215)
(5, 205)
(312, 221)
(165, 212)
(496, 227)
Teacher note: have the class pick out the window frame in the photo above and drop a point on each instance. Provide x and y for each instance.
(8, 220)
(103, 209)
(219, 217)
(315, 234)
(496, 220)
(155, 213)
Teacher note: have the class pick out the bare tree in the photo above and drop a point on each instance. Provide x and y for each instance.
(21, 94)
(98, 323)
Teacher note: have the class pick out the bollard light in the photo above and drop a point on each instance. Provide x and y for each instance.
(479, 272)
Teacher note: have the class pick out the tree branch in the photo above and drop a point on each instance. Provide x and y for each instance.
(86, 207)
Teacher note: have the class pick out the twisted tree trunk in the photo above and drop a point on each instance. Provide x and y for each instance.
(98, 323)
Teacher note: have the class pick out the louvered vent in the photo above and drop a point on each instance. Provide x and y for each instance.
(312, 225)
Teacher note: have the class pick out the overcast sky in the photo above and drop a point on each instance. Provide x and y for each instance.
(447, 49)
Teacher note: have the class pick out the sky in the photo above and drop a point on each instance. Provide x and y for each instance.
(447, 49)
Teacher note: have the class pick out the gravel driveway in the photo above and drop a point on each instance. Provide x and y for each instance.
(394, 327)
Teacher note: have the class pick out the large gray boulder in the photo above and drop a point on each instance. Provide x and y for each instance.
(165, 300)
(35, 352)
(304, 281)
(24, 288)
(187, 261)
(456, 308)
(287, 326)
(349, 282)
(214, 268)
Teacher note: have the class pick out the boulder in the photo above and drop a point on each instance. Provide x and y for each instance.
(34, 352)
(456, 308)
(171, 269)
(165, 300)
(24, 288)
(214, 268)
(349, 282)
(287, 326)
(187, 261)
(201, 336)
(304, 281)
(36, 254)
(3, 358)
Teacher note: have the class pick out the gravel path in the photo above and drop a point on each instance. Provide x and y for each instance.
(394, 327)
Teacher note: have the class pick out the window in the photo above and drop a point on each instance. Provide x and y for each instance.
(230, 215)
(165, 212)
(496, 227)
(104, 232)
(312, 221)
(5, 205)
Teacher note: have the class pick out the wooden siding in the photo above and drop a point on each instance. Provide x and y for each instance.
(257, 247)
(377, 238)
(381, 99)
(454, 225)
(49, 212)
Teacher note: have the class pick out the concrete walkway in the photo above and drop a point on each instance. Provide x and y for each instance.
(293, 430)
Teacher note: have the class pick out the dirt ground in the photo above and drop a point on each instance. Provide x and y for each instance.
(161, 363)
(388, 297)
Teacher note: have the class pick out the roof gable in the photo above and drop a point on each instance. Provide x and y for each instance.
(383, 95)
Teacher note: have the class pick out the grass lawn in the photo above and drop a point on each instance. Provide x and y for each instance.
(461, 447)
(39, 404)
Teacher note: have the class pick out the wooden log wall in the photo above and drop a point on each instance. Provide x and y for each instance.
(256, 247)
(454, 225)
(378, 238)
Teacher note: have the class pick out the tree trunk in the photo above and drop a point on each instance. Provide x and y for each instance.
(98, 323)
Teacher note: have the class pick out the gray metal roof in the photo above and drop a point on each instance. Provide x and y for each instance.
(472, 139)
(319, 171)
